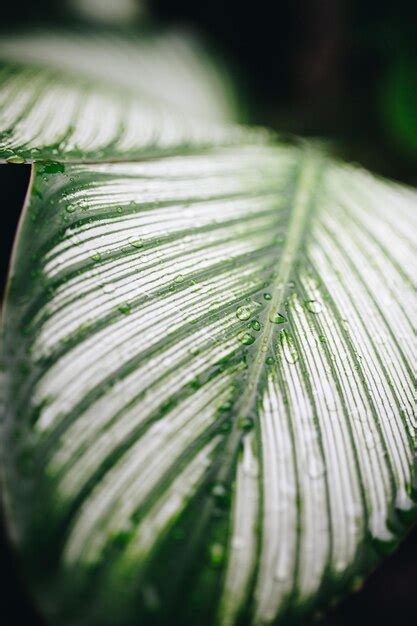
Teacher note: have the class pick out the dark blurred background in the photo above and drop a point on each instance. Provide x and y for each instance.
(344, 71)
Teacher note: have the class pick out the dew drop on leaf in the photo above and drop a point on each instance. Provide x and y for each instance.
(277, 318)
(288, 348)
(108, 287)
(70, 208)
(313, 306)
(216, 554)
(136, 242)
(255, 325)
(96, 256)
(125, 308)
(246, 423)
(243, 313)
(220, 495)
(246, 338)
(15, 158)
(267, 296)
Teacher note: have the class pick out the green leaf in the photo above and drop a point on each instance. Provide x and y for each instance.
(209, 385)
(89, 96)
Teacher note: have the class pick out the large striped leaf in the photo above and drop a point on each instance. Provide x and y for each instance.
(97, 97)
(209, 385)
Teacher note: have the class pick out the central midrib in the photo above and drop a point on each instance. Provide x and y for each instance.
(306, 184)
(304, 191)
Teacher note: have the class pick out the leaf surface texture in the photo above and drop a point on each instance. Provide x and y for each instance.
(210, 405)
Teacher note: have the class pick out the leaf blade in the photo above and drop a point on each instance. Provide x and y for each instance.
(87, 96)
(139, 356)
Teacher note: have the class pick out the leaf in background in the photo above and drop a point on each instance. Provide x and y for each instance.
(122, 12)
(99, 96)
(209, 385)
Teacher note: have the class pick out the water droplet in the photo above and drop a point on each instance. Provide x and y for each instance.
(15, 158)
(216, 554)
(214, 306)
(108, 287)
(277, 318)
(70, 208)
(246, 338)
(246, 423)
(192, 318)
(243, 313)
(255, 325)
(125, 308)
(270, 360)
(179, 278)
(267, 296)
(314, 306)
(96, 256)
(220, 495)
(136, 242)
(288, 348)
